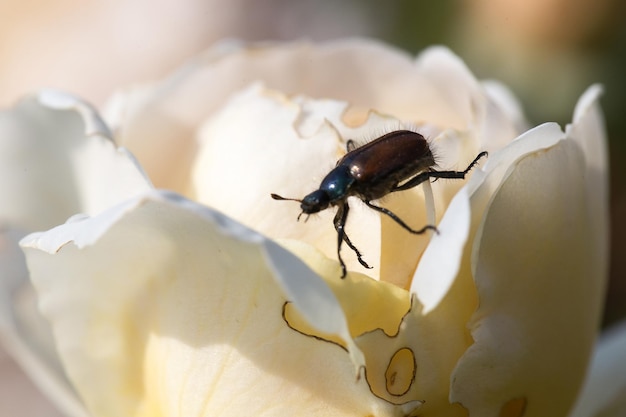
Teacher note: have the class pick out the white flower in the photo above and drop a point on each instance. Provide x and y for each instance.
(169, 305)
(57, 159)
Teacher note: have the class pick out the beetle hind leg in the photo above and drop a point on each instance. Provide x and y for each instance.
(420, 178)
(399, 220)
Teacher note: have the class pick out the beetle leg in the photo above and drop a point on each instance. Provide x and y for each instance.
(399, 221)
(340, 222)
(418, 179)
(350, 145)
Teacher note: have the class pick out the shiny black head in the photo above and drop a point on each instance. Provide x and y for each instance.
(315, 202)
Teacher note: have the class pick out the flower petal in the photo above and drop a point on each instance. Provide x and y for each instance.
(605, 388)
(25, 334)
(508, 104)
(589, 132)
(457, 89)
(163, 307)
(157, 122)
(293, 143)
(258, 128)
(464, 103)
(57, 160)
(539, 303)
(164, 144)
(168, 113)
(441, 260)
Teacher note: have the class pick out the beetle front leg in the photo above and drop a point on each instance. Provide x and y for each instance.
(340, 222)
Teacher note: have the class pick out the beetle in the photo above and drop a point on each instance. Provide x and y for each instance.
(393, 162)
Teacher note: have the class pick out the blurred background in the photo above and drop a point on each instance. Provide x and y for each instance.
(546, 51)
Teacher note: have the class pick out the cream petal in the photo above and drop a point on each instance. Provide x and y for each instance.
(263, 155)
(57, 159)
(413, 364)
(357, 66)
(59, 100)
(435, 330)
(25, 334)
(286, 146)
(589, 132)
(458, 92)
(508, 104)
(501, 118)
(537, 281)
(164, 307)
(499, 163)
(164, 144)
(157, 122)
(464, 103)
(604, 392)
(440, 263)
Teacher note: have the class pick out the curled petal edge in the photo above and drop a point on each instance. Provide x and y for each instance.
(307, 291)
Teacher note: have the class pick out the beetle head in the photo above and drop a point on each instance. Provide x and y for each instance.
(316, 201)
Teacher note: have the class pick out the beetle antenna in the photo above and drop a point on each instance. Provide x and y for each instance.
(277, 197)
